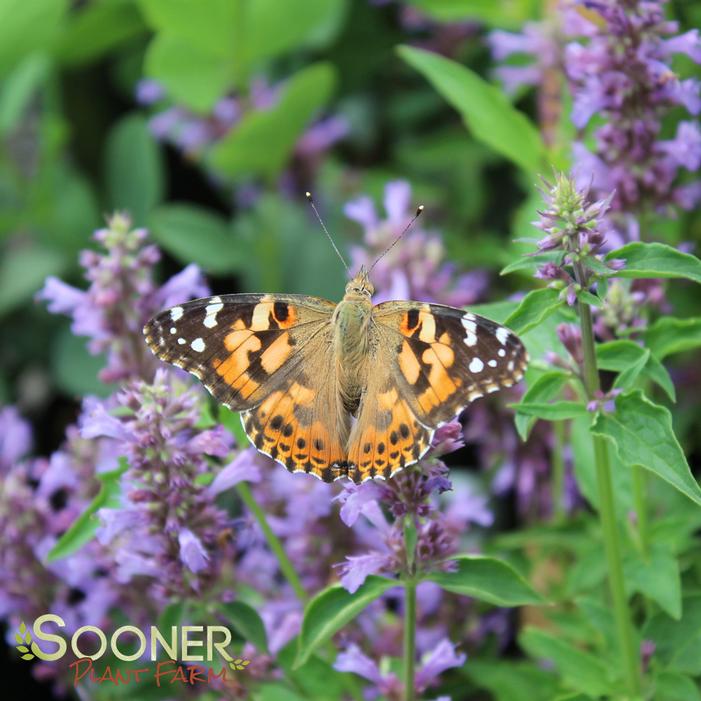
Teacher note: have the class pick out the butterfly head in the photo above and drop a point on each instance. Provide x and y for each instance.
(360, 287)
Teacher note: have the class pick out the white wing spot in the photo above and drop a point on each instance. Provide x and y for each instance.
(181, 341)
(476, 365)
(501, 352)
(173, 329)
(492, 363)
(510, 366)
(176, 313)
(197, 345)
(468, 322)
(211, 311)
(502, 334)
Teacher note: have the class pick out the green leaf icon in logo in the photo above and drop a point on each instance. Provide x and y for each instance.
(24, 638)
(239, 663)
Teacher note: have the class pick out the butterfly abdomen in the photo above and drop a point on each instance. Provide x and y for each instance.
(352, 340)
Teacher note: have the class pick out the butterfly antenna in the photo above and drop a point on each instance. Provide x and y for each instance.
(419, 210)
(326, 231)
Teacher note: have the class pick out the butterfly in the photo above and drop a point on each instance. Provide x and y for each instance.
(338, 390)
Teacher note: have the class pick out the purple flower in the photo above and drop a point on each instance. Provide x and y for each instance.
(416, 268)
(437, 661)
(618, 68)
(121, 297)
(15, 438)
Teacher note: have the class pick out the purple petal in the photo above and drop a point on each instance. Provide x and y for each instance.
(192, 552)
(362, 210)
(189, 283)
(442, 657)
(356, 569)
(242, 469)
(397, 200)
(352, 659)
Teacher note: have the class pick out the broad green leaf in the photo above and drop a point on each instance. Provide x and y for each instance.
(334, 607)
(74, 369)
(484, 108)
(272, 27)
(487, 579)
(581, 670)
(262, 142)
(82, 530)
(26, 27)
(18, 89)
(651, 260)
(533, 309)
(552, 411)
(190, 75)
(172, 615)
(659, 375)
(231, 420)
(656, 575)
(23, 271)
(547, 386)
(670, 335)
(276, 691)
(672, 686)
(134, 171)
(530, 263)
(246, 621)
(196, 235)
(516, 681)
(642, 434)
(97, 28)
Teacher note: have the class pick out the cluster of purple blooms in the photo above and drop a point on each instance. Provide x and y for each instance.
(617, 57)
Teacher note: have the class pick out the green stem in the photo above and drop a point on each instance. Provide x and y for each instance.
(558, 462)
(607, 514)
(409, 637)
(640, 500)
(273, 541)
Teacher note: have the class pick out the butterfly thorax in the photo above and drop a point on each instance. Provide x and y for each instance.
(352, 321)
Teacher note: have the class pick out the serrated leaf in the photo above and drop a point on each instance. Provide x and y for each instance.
(533, 309)
(642, 434)
(82, 530)
(487, 579)
(246, 621)
(332, 608)
(653, 260)
(486, 111)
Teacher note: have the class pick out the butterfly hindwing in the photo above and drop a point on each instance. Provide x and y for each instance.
(444, 358)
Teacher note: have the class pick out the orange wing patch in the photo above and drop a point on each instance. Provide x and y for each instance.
(393, 439)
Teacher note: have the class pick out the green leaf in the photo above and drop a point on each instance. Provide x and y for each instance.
(530, 263)
(516, 681)
(656, 576)
(588, 298)
(672, 686)
(276, 692)
(500, 15)
(195, 235)
(272, 27)
(581, 670)
(486, 579)
(17, 90)
(231, 420)
(26, 27)
(652, 260)
(241, 152)
(74, 369)
(134, 171)
(631, 360)
(82, 530)
(552, 411)
(484, 108)
(172, 615)
(642, 434)
(23, 271)
(533, 309)
(246, 621)
(97, 28)
(547, 386)
(190, 75)
(332, 608)
(670, 335)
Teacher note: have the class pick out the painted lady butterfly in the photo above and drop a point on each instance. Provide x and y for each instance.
(334, 390)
